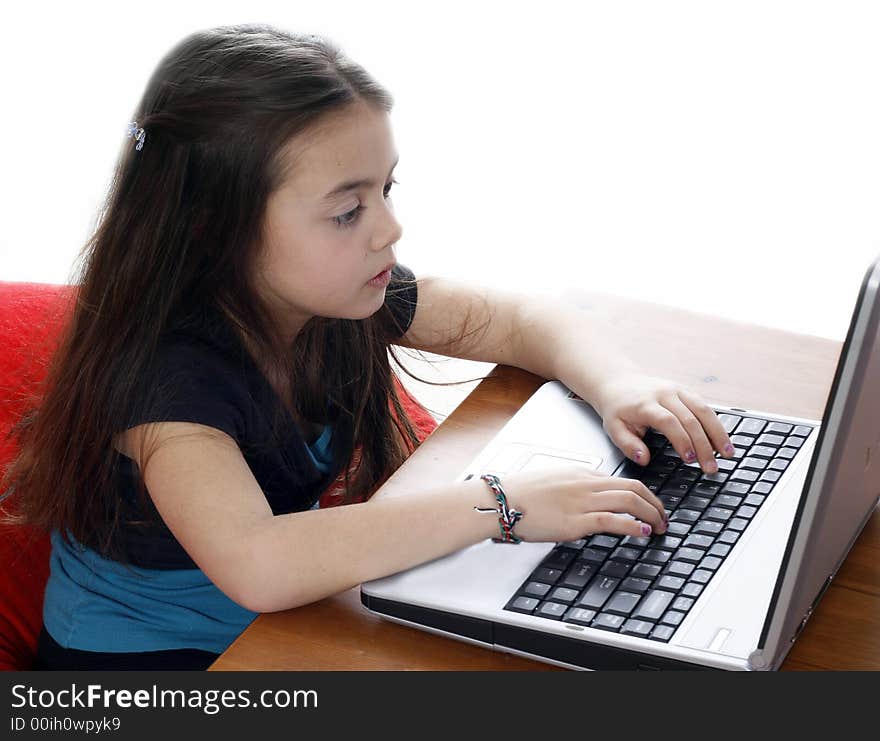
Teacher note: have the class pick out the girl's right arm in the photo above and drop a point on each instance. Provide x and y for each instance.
(209, 499)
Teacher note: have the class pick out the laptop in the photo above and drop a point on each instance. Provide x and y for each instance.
(749, 552)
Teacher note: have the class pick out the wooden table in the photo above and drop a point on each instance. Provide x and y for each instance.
(728, 363)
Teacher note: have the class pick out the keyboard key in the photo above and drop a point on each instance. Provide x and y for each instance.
(778, 464)
(622, 603)
(580, 616)
(604, 541)
(631, 541)
(554, 610)
(729, 421)
(576, 544)
(678, 529)
(673, 617)
(729, 465)
(738, 523)
(779, 428)
(716, 478)
(697, 503)
(666, 542)
(524, 604)
(617, 569)
(662, 632)
(679, 568)
(699, 541)
(598, 592)
(750, 426)
(802, 431)
(735, 488)
(701, 576)
(635, 585)
(676, 488)
(637, 628)
(672, 583)
(669, 502)
(719, 514)
(762, 451)
(626, 554)
(579, 575)
(708, 527)
(685, 515)
(727, 500)
(766, 439)
(746, 512)
(690, 555)
(559, 558)
(536, 589)
(655, 556)
(653, 605)
(596, 555)
(683, 604)
(705, 490)
(787, 453)
(606, 621)
(645, 570)
(692, 589)
(711, 563)
(762, 487)
(719, 549)
(794, 441)
(546, 575)
(728, 536)
(755, 500)
(755, 464)
(563, 594)
(743, 475)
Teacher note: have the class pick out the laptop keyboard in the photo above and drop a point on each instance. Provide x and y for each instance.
(646, 586)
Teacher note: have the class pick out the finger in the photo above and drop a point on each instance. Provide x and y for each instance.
(644, 492)
(698, 444)
(610, 522)
(718, 436)
(627, 441)
(626, 501)
(611, 483)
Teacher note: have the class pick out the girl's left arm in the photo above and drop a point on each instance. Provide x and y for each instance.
(557, 340)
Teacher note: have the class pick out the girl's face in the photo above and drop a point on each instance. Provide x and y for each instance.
(325, 241)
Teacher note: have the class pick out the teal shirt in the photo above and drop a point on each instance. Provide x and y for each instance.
(95, 604)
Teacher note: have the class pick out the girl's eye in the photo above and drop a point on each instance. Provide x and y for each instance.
(348, 219)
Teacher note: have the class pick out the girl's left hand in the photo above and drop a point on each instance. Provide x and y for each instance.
(630, 403)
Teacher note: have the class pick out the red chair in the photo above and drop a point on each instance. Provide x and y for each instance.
(31, 317)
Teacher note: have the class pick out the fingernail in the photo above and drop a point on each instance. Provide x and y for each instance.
(638, 455)
(646, 529)
(710, 466)
(729, 449)
(690, 456)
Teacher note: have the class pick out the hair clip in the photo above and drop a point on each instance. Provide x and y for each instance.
(138, 133)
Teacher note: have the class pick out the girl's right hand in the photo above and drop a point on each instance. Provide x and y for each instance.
(569, 502)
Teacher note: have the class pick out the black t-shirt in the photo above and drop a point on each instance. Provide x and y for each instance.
(206, 376)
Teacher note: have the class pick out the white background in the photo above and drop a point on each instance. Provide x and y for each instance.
(717, 156)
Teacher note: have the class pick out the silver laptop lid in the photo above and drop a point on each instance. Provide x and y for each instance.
(842, 484)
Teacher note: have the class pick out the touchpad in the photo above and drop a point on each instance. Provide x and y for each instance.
(547, 460)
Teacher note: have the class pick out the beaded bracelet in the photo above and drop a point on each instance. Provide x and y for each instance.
(507, 518)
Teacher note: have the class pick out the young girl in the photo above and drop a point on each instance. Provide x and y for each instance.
(227, 357)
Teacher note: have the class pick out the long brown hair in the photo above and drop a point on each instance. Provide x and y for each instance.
(180, 229)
